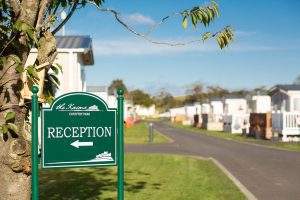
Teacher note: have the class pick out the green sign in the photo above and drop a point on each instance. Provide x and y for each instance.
(78, 130)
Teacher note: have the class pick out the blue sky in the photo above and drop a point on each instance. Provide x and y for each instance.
(266, 51)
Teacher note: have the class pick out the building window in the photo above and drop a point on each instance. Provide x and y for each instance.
(297, 104)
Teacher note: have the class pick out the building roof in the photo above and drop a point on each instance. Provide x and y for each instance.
(258, 93)
(233, 96)
(288, 87)
(215, 99)
(77, 42)
(284, 88)
(96, 89)
(73, 42)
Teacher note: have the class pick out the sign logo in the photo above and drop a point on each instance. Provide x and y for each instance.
(78, 130)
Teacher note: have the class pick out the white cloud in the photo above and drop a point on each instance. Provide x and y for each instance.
(137, 19)
(142, 47)
(138, 47)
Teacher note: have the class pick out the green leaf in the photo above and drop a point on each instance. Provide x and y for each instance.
(55, 69)
(31, 72)
(20, 69)
(220, 41)
(98, 2)
(225, 39)
(215, 5)
(205, 36)
(211, 13)
(216, 10)
(18, 25)
(185, 13)
(185, 22)
(194, 19)
(229, 34)
(54, 80)
(35, 40)
(205, 18)
(3, 60)
(12, 127)
(231, 37)
(4, 129)
(64, 3)
(15, 58)
(59, 66)
(21, 26)
(49, 98)
(53, 23)
(9, 116)
(24, 27)
(30, 33)
(199, 16)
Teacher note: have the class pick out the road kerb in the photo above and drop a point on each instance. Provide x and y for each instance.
(243, 189)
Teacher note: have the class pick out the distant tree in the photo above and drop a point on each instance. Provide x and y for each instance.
(297, 80)
(139, 97)
(115, 85)
(195, 93)
(216, 91)
(261, 90)
(165, 100)
(240, 92)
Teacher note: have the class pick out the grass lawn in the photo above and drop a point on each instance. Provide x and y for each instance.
(139, 134)
(276, 144)
(152, 177)
(289, 145)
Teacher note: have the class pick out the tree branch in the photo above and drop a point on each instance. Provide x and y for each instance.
(55, 9)
(15, 4)
(67, 18)
(6, 45)
(6, 71)
(4, 83)
(146, 35)
(41, 14)
(155, 26)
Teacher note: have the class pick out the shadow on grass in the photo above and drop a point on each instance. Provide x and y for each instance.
(89, 183)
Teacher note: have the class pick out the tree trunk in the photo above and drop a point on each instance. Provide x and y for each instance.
(15, 147)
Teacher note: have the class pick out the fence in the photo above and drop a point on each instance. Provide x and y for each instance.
(286, 124)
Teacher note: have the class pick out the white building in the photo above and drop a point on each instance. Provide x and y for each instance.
(191, 110)
(145, 111)
(236, 117)
(205, 108)
(102, 92)
(177, 111)
(111, 100)
(217, 106)
(75, 53)
(286, 111)
(285, 98)
(234, 104)
(258, 103)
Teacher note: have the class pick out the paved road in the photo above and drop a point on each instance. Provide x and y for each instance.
(266, 173)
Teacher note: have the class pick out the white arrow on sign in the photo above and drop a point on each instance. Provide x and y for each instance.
(78, 144)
